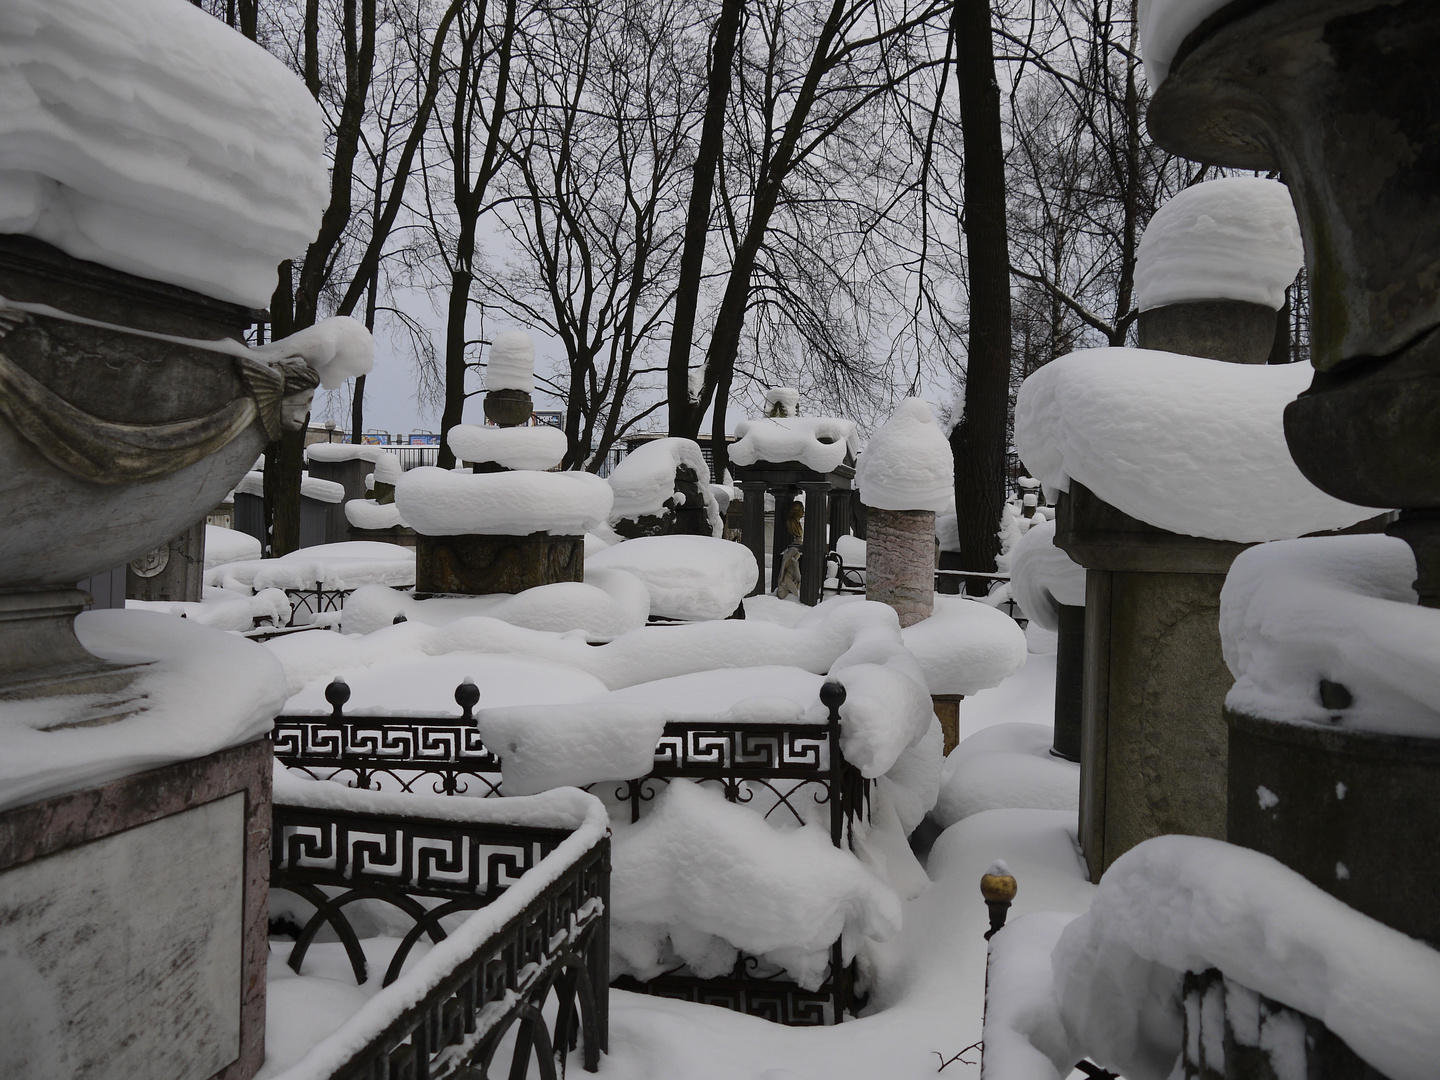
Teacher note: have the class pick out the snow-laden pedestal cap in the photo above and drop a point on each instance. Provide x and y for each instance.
(907, 464)
(538, 448)
(782, 401)
(1042, 577)
(1164, 25)
(1187, 444)
(1236, 238)
(511, 365)
(820, 443)
(336, 348)
(152, 138)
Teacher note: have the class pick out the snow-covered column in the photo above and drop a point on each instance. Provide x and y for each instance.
(510, 379)
(1212, 269)
(905, 476)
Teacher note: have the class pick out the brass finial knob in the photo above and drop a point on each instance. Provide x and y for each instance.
(998, 887)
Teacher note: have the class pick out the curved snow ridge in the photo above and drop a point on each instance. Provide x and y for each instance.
(532, 448)
(1235, 238)
(438, 502)
(1043, 577)
(1340, 608)
(965, 646)
(150, 137)
(821, 443)
(907, 464)
(345, 565)
(1164, 24)
(688, 577)
(1182, 903)
(644, 480)
(1187, 444)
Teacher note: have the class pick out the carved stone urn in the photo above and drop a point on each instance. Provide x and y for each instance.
(128, 408)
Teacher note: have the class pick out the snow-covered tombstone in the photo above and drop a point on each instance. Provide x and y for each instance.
(1212, 270)
(663, 487)
(906, 475)
(157, 166)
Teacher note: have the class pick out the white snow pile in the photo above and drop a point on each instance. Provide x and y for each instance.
(1023, 1031)
(337, 348)
(1042, 577)
(150, 137)
(326, 491)
(252, 483)
(1005, 766)
(368, 514)
(438, 502)
(511, 362)
(318, 1026)
(542, 747)
(965, 646)
(1184, 903)
(688, 577)
(1191, 445)
(225, 609)
(200, 691)
(644, 481)
(345, 451)
(818, 442)
(1341, 608)
(605, 605)
(346, 565)
(713, 877)
(787, 397)
(1164, 24)
(530, 448)
(907, 464)
(388, 470)
(1235, 238)
(224, 545)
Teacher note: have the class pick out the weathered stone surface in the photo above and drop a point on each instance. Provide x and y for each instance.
(133, 925)
(473, 565)
(174, 571)
(1069, 682)
(900, 562)
(1355, 812)
(1231, 330)
(508, 408)
(947, 711)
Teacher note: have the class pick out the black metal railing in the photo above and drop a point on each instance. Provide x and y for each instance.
(794, 773)
(305, 604)
(432, 870)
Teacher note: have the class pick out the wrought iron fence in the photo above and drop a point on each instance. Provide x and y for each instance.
(431, 870)
(796, 771)
(305, 604)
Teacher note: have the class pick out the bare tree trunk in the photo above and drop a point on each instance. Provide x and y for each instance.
(978, 441)
(684, 415)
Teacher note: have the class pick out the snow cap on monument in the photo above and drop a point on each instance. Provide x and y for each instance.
(1235, 238)
(512, 362)
(1164, 25)
(907, 464)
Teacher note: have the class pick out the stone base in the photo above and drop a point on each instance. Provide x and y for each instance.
(133, 924)
(1354, 812)
(947, 711)
(472, 565)
(1231, 330)
(40, 656)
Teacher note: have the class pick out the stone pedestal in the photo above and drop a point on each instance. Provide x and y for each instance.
(1069, 682)
(133, 925)
(174, 571)
(900, 562)
(1231, 330)
(351, 476)
(947, 711)
(472, 565)
(1153, 737)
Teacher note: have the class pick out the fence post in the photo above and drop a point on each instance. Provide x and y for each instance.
(832, 696)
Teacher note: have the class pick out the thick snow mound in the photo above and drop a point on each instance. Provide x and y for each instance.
(644, 480)
(337, 348)
(1023, 1029)
(689, 577)
(702, 868)
(346, 565)
(1235, 238)
(224, 609)
(606, 604)
(511, 363)
(1184, 903)
(1341, 608)
(150, 137)
(438, 502)
(1006, 766)
(224, 545)
(1042, 577)
(817, 442)
(541, 447)
(907, 464)
(787, 397)
(542, 747)
(326, 491)
(368, 514)
(965, 646)
(344, 451)
(1191, 445)
(183, 714)
(1164, 24)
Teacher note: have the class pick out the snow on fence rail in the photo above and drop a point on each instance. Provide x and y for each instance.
(791, 770)
(533, 874)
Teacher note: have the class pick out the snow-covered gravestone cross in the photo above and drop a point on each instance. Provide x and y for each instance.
(905, 476)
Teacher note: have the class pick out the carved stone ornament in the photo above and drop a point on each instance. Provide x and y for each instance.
(152, 563)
